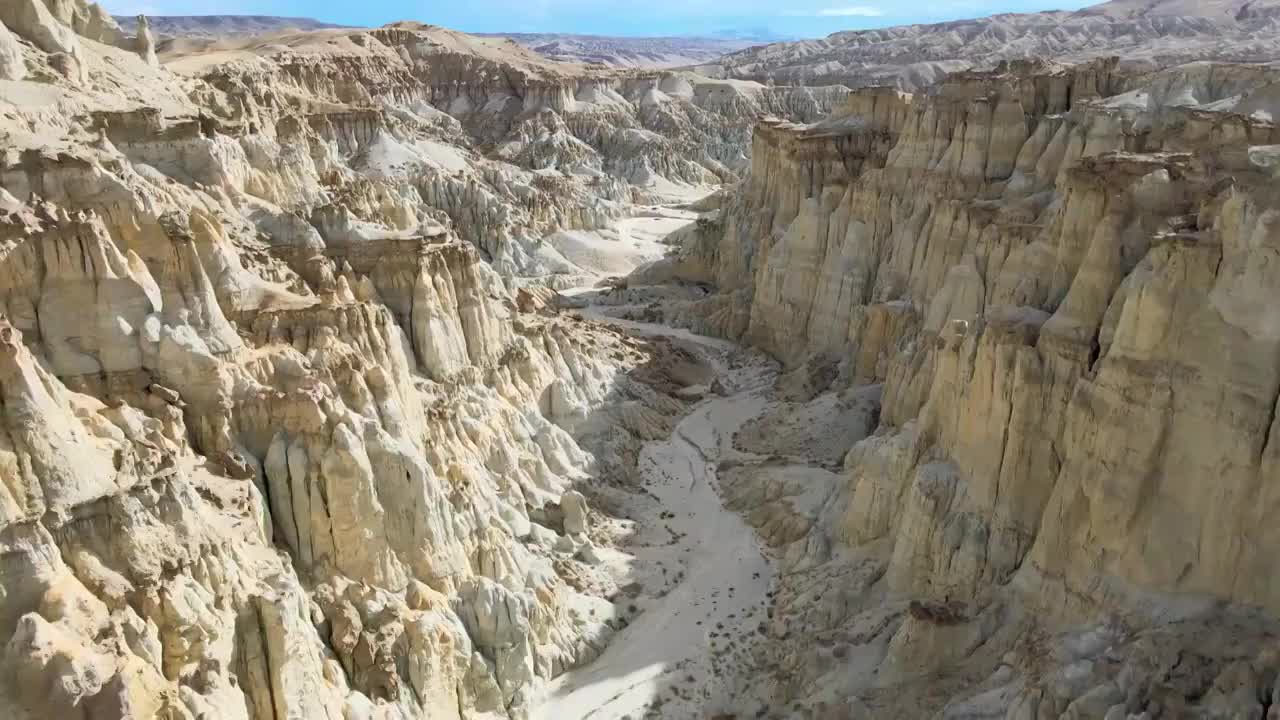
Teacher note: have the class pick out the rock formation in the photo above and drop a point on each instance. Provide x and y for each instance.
(276, 439)
(293, 422)
(32, 21)
(1053, 278)
(12, 66)
(527, 147)
(145, 43)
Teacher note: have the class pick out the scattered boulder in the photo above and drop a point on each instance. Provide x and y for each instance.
(535, 299)
(589, 553)
(68, 66)
(693, 392)
(168, 395)
(575, 512)
(937, 613)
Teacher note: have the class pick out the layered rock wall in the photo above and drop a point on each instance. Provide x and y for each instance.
(275, 440)
(1057, 277)
(565, 150)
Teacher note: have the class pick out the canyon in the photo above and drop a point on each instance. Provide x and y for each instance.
(404, 373)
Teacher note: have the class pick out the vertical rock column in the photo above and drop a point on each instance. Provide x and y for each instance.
(11, 65)
(145, 43)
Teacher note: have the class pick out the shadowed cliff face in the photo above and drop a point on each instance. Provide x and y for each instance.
(1055, 277)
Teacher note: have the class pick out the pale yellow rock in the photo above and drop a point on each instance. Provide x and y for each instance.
(575, 510)
(12, 64)
(1078, 366)
(271, 432)
(145, 43)
(278, 437)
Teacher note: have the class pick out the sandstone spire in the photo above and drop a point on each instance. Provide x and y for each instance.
(145, 43)
(12, 66)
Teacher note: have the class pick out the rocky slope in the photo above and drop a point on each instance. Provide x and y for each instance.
(911, 57)
(511, 146)
(276, 438)
(1053, 282)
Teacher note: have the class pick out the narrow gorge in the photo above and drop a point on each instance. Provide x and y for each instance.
(377, 374)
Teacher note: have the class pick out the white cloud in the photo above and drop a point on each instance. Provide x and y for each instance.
(175, 7)
(130, 7)
(851, 11)
(845, 11)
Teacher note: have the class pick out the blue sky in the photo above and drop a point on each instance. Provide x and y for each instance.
(802, 18)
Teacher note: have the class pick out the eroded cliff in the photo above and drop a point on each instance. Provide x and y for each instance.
(1052, 283)
(276, 438)
(293, 425)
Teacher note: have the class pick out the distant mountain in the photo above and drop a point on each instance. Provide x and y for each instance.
(752, 35)
(1153, 32)
(221, 26)
(640, 52)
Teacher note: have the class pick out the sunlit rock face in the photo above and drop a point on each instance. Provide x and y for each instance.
(1055, 278)
(508, 145)
(291, 424)
(276, 439)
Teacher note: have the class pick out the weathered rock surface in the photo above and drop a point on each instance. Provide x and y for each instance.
(1053, 277)
(276, 441)
(145, 42)
(509, 145)
(12, 66)
(285, 430)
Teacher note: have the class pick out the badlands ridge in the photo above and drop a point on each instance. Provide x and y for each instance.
(401, 373)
